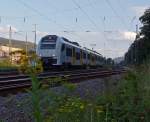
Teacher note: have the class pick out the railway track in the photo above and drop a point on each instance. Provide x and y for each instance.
(16, 74)
(8, 73)
(17, 83)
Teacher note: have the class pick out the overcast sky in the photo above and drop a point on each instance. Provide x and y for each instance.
(106, 25)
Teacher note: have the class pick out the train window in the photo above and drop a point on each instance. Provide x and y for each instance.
(100, 59)
(63, 47)
(88, 56)
(84, 55)
(49, 38)
(96, 58)
(69, 52)
(77, 55)
(48, 46)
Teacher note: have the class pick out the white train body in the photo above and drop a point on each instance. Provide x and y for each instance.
(55, 50)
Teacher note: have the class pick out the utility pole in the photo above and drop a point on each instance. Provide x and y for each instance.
(0, 19)
(34, 63)
(104, 48)
(35, 31)
(93, 45)
(10, 42)
(26, 39)
(136, 46)
(137, 29)
(134, 52)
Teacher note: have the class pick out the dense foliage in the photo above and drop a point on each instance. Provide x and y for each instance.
(30, 62)
(139, 51)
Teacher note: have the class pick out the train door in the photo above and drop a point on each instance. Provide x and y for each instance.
(73, 56)
(81, 57)
(91, 59)
(62, 54)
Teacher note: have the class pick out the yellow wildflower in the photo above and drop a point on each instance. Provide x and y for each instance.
(82, 107)
(99, 111)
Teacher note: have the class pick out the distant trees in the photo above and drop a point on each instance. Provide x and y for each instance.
(109, 61)
(139, 51)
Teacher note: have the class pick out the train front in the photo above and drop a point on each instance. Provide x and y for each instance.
(46, 50)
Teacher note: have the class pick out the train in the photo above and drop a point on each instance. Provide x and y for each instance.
(56, 51)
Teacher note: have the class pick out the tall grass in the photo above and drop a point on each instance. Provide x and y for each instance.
(35, 94)
(130, 102)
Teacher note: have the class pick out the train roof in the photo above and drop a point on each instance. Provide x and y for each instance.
(75, 44)
(92, 51)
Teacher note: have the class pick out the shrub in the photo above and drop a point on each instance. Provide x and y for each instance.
(30, 63)
(6, 63)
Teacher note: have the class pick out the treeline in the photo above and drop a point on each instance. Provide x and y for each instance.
(139, 51)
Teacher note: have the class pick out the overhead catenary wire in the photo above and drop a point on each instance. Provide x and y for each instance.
(104, 27)
(95, 25)
(71, 9)
(123, 9)
(76, 19)
(114, 11)
(85, 13)
(39, 13)
(89, 18)
(71, 32)
(16, 18)
(43, 15)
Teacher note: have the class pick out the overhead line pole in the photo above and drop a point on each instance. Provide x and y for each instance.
(114, 11)
(137, 29)
(35, 31)
(26, 39)
(136, 46)
(40, 14)
(10, 34)
(85, 13)
(0, 19)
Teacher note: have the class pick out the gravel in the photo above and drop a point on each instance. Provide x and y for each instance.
(18, 108)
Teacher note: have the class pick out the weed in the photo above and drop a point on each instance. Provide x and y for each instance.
(130, 102)
(35, 93)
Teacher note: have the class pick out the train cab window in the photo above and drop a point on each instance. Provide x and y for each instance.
(63, 47)
(48, 46)
(77, 55)
(69, 52)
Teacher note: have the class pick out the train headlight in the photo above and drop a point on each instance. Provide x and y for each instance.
(53, 55)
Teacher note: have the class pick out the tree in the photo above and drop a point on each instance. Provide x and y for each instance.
(139, 51)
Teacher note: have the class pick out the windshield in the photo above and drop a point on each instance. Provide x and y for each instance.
(48, 46)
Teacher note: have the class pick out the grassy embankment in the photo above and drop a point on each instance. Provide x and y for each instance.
(130, 102)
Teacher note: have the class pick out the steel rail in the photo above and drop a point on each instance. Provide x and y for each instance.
(16, 84)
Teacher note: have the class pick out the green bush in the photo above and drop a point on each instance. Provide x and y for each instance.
(26, 65)
(6, 64)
